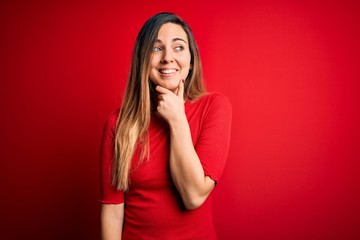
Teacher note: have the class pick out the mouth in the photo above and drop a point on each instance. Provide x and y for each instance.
(167, 71)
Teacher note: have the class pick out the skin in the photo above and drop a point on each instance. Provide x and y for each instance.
(185, 166)
(112, 219)
(169, 66)
(170, 59)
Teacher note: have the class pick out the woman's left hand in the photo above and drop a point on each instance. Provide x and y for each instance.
(171, 104)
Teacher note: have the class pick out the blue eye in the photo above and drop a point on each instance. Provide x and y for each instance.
(157, 49)
(179, 48)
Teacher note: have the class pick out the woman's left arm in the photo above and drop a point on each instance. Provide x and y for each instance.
(185, 166)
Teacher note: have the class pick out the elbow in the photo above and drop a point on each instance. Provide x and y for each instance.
(194, 202)
(194, 196)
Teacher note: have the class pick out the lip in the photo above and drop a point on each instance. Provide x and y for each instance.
(167, 72)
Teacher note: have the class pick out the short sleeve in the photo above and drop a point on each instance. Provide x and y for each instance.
(213, 143)
(108, 194)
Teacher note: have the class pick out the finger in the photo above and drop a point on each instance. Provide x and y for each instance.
(180, 90)
(160, 97)
(160, 89)
(176, 91)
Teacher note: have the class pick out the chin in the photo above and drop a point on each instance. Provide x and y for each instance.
(169, 86)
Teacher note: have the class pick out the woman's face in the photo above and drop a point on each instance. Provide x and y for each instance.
(170, 57)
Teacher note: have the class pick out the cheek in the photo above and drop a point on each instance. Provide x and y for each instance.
(186, 70)
(186, 61)
(154, 60)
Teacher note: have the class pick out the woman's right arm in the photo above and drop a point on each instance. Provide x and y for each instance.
(112, 219)
(112, 207)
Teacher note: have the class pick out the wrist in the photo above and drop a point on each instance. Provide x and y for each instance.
(178, 123)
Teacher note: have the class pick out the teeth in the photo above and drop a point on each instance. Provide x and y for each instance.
(167, 71)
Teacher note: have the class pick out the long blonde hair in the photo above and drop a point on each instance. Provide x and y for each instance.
(139, 100)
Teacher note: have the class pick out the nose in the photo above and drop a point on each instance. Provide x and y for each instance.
(167, 57)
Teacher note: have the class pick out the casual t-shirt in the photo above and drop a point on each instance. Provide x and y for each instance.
(153, 207)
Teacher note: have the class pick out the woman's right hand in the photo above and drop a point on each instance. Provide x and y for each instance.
(171, 104)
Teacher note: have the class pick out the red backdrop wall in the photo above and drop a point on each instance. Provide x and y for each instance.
(291, 71)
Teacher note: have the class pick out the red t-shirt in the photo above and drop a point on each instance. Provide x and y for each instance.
(153, 207)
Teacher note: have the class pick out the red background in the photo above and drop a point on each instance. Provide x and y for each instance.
(291, 71)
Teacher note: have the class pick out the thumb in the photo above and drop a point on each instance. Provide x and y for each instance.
(180, 91)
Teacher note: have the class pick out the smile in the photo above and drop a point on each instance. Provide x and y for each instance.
(167, 71)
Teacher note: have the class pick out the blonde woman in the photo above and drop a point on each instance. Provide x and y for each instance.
(164, 150)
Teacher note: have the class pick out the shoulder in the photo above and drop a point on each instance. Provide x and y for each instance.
(214, 100)
(209, 106)
(110, 123)
(215, 97)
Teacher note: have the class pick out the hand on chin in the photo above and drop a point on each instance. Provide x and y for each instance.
(170, 86)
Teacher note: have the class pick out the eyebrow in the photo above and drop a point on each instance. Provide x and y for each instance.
(173, 40)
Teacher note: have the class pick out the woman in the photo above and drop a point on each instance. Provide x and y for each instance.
(163, 152)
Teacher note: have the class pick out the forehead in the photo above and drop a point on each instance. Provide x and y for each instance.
(169, 31)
